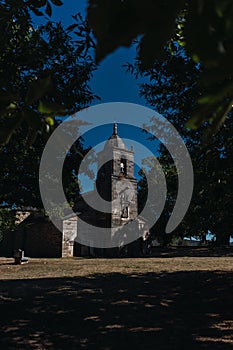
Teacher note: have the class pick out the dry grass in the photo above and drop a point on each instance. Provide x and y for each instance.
(74, 267)
(166, 302)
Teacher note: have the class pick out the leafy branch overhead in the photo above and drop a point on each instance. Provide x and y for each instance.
(38, 6)
(49, 73)
(204, 28)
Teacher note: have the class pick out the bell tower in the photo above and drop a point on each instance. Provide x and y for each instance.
(116, 182)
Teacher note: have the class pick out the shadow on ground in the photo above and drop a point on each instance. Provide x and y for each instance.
(176, 251)
(180, 310)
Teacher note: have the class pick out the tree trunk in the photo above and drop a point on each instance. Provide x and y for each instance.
(222, 239)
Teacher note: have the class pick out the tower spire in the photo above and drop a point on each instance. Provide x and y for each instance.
(115, 128)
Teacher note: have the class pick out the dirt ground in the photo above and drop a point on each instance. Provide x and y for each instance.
(175, 300)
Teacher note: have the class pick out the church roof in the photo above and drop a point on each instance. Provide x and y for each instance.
(115, 140)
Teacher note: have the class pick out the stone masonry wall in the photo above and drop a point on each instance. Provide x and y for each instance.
(69, 235)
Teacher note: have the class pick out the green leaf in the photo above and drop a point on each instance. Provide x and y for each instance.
(57, 2)
(71, 27)
(39, 3)
(205, 99)
(118, 23)
(50, 108)
(196, 58)
(48, 9)
(181, 43)
(221, 92)
(38, 89)
(192, 123)
(49, 121)
(220, 117)
(37, 12)
(12, 105)
(221, 7)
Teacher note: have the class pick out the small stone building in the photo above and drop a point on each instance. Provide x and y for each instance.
(35, 234)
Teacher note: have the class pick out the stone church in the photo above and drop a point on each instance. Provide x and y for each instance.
(116, 184)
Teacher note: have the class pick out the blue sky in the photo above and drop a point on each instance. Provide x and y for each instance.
(131, 135)
(110, 81)
(130, 118)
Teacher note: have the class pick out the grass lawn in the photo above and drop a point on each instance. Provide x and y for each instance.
(165, 302)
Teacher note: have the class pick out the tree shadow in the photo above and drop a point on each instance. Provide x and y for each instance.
(181, 310)
(171, 252)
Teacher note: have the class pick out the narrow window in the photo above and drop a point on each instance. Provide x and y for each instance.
(123, 166)
(125, 213)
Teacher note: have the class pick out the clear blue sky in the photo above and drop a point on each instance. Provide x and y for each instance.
(110, 82)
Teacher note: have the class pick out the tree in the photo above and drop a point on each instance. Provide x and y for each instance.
(19, 173)
(44, 71)
(213, 191)
(150, 167)
(209, 209)
(7, 221)
(203, 27)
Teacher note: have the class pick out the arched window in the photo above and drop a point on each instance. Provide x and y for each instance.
(123, 168)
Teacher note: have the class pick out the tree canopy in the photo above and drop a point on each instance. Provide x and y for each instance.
(44, 71)
(210, 209)
(203, 27)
